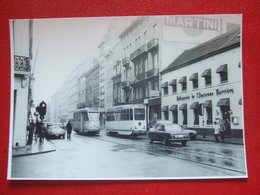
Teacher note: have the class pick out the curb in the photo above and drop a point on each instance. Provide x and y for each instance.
(28, 154)
(225, 142)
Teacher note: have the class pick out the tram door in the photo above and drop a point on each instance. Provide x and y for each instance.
(226, 119)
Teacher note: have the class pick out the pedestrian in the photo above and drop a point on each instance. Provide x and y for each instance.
(42, 132)
(222, 129)
(69, 129)
(30, 129)
(216, 130)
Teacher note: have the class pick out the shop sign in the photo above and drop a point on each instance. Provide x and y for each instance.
(154, 93)
(193, 22)
(198, 95)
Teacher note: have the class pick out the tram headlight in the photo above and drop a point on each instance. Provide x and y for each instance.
(139, 123)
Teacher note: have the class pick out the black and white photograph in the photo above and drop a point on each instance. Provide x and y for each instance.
(127, 98)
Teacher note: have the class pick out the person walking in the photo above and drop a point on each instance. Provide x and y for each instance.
(69, 130)
(30, 129)
(216, 130)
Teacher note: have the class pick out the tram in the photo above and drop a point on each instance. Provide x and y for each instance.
(126, 120)
(86, 121)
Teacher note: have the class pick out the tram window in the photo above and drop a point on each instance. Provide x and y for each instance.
(127, 114)
(139, 114)
(131, 114)
(85, 116)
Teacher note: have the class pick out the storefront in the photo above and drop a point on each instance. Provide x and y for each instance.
(202, 89)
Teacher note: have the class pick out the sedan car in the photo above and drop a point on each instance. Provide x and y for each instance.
(192, 133)
(167, 132)
(54, 130)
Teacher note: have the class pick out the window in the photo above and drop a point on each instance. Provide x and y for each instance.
(183, 82)
(208, 106)
(139, 114)
(174, 109)
(207, 75)
(102, 77)
(102, 103)
(196, 110)
(222, 70)
(174, 85)
(194, 79)
(183, 107)
(102, 92)
(165, 88)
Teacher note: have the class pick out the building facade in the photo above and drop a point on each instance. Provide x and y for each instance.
(21, 31)
(205, 83)
(150, 44)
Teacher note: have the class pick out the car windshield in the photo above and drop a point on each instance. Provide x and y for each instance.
(53, 126)
(93, 116)
(172, 127)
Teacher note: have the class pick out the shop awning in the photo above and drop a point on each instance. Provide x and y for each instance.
(240, 101)
(183, 107)
(183, 80)
(222, 68)
(206, 73)
(173, 82)
(165, 109)
(194, 105)
(165, 84)
(174, 108)
(223, 102)
(194, 77)
(207, 104)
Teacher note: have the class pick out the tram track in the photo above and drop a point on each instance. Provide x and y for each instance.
(209, 159)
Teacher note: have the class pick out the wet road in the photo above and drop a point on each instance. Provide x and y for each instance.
(103, 157)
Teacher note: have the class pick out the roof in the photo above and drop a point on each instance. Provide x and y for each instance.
(224, 42)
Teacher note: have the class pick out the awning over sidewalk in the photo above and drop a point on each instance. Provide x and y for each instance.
(223, 102)
(207, 104)
(194, 105)
(165, 109)
(206, 73)
(183, 107)
(174, 108)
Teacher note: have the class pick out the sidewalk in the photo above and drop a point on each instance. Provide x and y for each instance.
(229, 140)
(35, 148)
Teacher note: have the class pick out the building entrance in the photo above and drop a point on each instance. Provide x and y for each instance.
(226, 119)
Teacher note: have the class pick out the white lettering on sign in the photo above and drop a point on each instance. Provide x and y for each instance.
(193, 22)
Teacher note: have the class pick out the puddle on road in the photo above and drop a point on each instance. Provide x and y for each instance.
(123, 148)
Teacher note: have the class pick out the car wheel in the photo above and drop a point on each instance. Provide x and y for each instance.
(151, 139)
(165, 141)
(184, 143)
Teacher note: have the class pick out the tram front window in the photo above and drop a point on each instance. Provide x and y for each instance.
(93, 116)
(139, 114)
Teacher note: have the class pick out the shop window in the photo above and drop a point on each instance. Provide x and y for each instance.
(185, 117)
(166, 115)
(175, 116)
(209, 116)
(197, 111)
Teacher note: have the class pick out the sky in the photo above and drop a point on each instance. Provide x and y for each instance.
(60, 45)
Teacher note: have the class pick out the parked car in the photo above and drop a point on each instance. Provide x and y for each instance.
(192, 133)
(55, 130)
(167, 132)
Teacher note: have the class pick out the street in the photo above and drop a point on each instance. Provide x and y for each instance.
(108, 157)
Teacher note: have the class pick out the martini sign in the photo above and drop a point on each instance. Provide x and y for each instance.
(194, 22)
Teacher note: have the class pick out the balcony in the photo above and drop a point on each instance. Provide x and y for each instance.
(22, 64)
(125, 85)
(116, 78)
(138, 52)
(152, 73)
(152, 44)
(125, 62)
(81, 105)
(141, 76)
